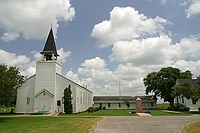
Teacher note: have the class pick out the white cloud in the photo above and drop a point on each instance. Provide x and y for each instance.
(32, 18)
(188, 49)
(63, 55)
(193, 66)
(9, 36)
(94, 68)
(25, 64)
(155, 50)
(21, 61)
(193, 9)
(126, 23)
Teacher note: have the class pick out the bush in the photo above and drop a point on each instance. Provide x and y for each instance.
(90, 110)
(133, 112)
(100, 108)
(199, 108)
(178, 107)
(97, 109)
(104, 108)
(184, 108)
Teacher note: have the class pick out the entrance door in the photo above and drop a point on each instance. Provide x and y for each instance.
(44, 104)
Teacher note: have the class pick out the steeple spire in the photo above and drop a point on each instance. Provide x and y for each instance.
(50, 52)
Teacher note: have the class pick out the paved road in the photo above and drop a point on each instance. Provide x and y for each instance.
(144, 124)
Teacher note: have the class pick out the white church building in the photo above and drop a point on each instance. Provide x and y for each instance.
(44, 90)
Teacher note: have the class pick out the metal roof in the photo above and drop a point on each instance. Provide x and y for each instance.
(193, 82)
(120, 98)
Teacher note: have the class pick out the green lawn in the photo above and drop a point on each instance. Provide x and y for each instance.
(111, 112)
(163, 113)
(47, 124)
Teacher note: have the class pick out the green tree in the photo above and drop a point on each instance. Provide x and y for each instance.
(183, 90)
(10, 81)
(190, 91)
(162, 82)
(68, 100)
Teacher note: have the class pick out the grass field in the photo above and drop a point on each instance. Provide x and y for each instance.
(47, 124)
(192, 128)
(126, 113)
(111, 112)
(164, 113)
(163, 105)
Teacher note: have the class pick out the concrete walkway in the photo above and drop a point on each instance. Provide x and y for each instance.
(145, 124)
(143, 114)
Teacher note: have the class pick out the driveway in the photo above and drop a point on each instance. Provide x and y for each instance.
(144, 124)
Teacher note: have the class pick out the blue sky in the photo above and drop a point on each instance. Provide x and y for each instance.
(102, 42)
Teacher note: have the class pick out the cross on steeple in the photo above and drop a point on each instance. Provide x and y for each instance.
(50, 52)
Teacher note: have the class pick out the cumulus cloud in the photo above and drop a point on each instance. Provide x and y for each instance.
(25, 64)
(21, 61)
(126, 23)
(63, 55)
(32, 18)
(193, 9)
(94, 68)
(155, 50)
(188, 49)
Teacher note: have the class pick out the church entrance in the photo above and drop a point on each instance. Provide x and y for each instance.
(44, 104)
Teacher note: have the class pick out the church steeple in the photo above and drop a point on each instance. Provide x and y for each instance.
(50, 52)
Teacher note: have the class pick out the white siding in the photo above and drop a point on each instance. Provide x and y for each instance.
(26, 91)
(48, 80)
(78, 101)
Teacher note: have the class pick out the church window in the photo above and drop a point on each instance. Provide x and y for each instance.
(151, 104)
(108, 104)
(28, 101)
(81, 99)
(44, 93)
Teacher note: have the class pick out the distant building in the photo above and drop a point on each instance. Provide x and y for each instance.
(44, 90)
(117, 102)
(188, 102)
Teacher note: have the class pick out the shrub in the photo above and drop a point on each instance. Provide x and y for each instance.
(178, 107)
(90, 110)
(199, 108)
(96, 109)
(100, 108)
(104, 108)
(133, 112)
(184, 108)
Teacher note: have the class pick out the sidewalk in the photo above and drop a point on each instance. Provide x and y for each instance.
(143, 114)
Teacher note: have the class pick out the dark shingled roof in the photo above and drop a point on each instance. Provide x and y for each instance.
(120, 98)
(193, 82)
(50, 46)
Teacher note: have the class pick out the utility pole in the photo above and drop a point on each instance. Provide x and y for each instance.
(119, 88)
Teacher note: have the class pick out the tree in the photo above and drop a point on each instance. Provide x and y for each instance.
(183, 90)
(161, 82)
(68, 100)
(188, 90)
(127, 103)
(10, 81)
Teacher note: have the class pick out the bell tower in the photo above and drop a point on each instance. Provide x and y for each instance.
(45, 78)
(50, 52)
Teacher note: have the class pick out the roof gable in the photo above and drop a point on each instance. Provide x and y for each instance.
(46, 91)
